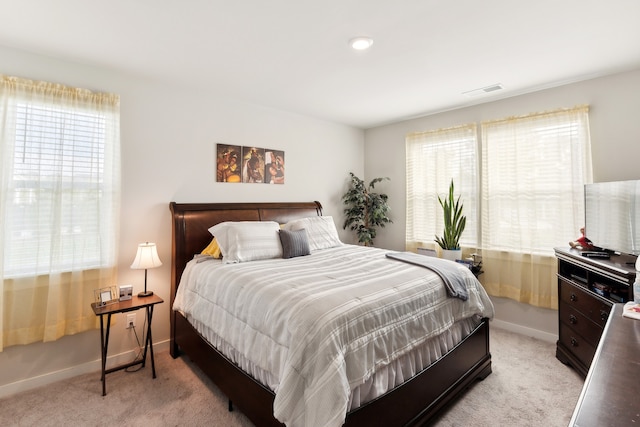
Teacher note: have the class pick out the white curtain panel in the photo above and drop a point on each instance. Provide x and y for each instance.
(59, 206)
(532, 194)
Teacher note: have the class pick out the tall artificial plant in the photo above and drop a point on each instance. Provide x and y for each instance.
(454, 221)
(366, 210)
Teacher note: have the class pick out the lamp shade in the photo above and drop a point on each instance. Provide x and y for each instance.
(146, 257)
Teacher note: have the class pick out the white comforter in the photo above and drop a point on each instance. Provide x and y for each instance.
(323, 323)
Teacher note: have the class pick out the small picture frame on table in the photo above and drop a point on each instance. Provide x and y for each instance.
(126, 291)
(106, 296)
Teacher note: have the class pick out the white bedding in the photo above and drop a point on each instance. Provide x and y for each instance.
(322, 324)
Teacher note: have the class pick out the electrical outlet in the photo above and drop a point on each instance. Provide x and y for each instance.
(131, 321)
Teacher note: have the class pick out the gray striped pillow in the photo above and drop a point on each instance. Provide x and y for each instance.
(294, 243)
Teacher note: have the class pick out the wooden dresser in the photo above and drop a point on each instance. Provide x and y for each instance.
(587, 289)
(610, 393)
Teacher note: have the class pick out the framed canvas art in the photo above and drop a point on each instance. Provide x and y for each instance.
(228, 163)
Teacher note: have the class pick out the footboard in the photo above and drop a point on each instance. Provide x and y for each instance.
(413, 403)
(416, 401)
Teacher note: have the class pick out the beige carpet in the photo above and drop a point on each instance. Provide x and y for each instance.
(528, 387)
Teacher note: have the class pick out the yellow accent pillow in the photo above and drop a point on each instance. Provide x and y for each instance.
(213, 249)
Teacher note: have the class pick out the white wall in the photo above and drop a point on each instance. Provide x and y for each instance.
(615, 137)
(169, 135)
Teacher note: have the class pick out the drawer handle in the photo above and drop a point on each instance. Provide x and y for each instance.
(573, 297)
(573, 319)
(574, 342)
(604, 315)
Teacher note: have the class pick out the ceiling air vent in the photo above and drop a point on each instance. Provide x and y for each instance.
(483, 90)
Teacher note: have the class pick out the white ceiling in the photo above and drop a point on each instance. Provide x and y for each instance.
(293, 54)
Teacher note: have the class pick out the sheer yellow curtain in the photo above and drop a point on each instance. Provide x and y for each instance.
(59, 207)
(532, 194)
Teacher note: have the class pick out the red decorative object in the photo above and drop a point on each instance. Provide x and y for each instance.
(582, 242)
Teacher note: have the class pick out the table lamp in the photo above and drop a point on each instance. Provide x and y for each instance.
(147, 257)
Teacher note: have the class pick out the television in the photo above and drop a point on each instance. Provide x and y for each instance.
(612, 216)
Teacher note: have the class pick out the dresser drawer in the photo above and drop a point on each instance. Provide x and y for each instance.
(579, 323)
(577, 345)
(588, 304)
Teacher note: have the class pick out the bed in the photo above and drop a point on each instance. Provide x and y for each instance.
(414, 402)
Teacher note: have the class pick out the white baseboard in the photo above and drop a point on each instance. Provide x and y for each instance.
(63, 374)
(523, 330)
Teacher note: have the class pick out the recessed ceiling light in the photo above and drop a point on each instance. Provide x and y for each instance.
(361, 43)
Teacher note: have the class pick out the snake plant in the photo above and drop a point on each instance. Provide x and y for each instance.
(454, 221)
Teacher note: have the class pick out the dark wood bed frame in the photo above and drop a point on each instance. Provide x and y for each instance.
(414, 402)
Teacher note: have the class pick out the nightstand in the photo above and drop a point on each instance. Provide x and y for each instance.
(135, 303)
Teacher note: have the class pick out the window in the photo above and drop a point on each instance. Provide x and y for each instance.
(533, 173)
(529, 198)
(60, 190)
(433, 159)
(55, 192)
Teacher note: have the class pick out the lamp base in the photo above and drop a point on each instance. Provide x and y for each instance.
(145, 294)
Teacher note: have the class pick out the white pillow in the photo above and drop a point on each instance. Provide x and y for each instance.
(321, 231)
(247, 240)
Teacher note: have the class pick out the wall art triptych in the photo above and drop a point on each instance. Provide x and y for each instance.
(237, 163)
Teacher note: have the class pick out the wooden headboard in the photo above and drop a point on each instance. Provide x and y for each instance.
(191, 223)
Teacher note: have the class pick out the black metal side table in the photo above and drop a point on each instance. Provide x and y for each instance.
(135, 303)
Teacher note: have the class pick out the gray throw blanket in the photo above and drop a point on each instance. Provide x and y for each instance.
(447, 270)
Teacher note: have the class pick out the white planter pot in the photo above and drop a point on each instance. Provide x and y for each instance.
(452, 255)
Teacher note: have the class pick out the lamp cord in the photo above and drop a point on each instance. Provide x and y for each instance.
(138, 356)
